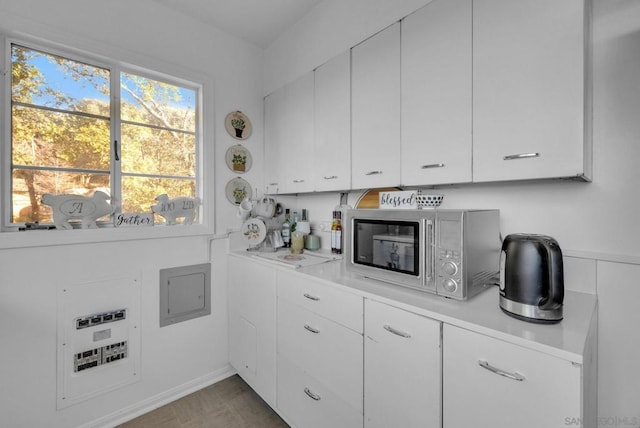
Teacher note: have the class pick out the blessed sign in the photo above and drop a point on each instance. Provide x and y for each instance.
(403, 200)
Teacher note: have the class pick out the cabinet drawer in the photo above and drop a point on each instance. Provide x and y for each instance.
(308, 403)
(339, 306)
(311, 341)
(548, 392)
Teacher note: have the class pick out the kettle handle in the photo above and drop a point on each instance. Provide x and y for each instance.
(501, 269)
(556, 275)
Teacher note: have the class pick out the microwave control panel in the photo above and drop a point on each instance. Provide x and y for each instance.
(449, 273)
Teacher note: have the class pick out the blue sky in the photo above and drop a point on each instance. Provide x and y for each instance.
(59, 81)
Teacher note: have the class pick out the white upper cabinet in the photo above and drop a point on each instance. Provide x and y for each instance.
(273, 138)
(375, 110)
(289, 137)
(436, 145)
(530, 90)
(332, 125)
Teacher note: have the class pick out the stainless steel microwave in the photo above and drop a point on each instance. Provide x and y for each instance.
(452, 253)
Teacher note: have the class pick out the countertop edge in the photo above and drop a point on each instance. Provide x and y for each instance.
(473, 315)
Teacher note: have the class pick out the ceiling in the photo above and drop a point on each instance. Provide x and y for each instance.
(259, 22)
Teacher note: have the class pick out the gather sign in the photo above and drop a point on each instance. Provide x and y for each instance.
(134, 220)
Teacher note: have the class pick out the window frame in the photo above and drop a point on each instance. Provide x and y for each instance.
(175, 76)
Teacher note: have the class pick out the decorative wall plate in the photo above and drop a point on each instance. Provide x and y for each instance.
(238, 159)
(238, 189)
(238, 125)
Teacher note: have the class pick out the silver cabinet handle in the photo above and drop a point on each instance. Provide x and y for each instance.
(432, 165)
(311, 329)
(374, 173)
(273, 184)
(330, 177)
(298, 181)
(521, 156)
(396, 332)
(311, 297)
(514, 375)
(312, 395)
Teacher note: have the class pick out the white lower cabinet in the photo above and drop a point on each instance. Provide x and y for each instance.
(306, 402)
(252, 325)
(491, 383)
(325, 356)
(319, 348)
(402, 368)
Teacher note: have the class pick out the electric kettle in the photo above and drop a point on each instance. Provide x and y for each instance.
(531, 278)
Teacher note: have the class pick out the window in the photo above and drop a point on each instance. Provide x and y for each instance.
(81, 126)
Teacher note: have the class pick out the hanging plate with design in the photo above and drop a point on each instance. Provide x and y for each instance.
(238, 125)
(238, 159)
(254, 231)
(238, 189)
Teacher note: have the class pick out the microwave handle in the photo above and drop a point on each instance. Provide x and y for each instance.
(431, 256)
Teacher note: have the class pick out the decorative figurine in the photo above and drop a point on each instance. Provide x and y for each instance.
(87, 209)
(172, 209)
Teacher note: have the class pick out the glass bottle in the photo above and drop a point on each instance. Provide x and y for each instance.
(334, 232)
(338, 232)
(286, 229)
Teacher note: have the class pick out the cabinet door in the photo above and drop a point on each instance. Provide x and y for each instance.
(529, 90)
(306, 402)
(289, 137)
(332, 125)
(436, 94)
(311, 341)
(402, 364)
(252, 325)
(547, 396)
(375, 107)
(296, 160)
(274, 116)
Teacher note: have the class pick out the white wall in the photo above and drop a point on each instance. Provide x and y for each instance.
(599, 217)
(176, 358)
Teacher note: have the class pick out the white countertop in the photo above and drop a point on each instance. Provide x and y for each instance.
(481, 313)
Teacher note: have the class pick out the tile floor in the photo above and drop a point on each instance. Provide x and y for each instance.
(230, 403)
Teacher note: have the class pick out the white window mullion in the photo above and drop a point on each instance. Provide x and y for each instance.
(116, 141)
(5, 127)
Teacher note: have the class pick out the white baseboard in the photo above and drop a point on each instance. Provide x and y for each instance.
(128, 413)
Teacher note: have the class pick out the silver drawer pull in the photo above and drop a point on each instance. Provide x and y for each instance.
(521, 156)
(433, 165)
(311, 394)
(310, 297)
(331, 177)
(396, 332)
(298, 181)
(311, 329)
(374, 173)
(515, 375)
(273, 184)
